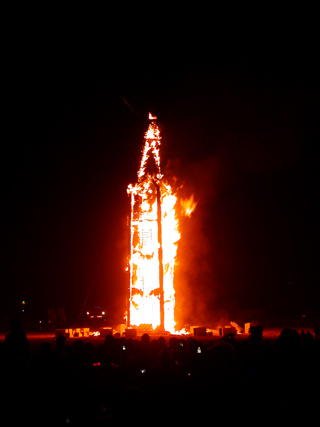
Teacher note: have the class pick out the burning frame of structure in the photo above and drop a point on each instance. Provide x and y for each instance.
(154, 235)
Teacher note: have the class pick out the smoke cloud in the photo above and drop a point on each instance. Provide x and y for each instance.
(194, 276)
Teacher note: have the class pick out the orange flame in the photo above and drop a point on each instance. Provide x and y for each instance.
(188, 206)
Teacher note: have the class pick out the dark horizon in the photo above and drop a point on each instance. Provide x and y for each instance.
(238, 122)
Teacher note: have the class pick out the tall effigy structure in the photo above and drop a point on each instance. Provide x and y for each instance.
(153, 241)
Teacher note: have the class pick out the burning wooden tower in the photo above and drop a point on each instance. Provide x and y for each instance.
(153, 241)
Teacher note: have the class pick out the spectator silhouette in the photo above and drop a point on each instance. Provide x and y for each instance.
(256, 334)
(274, 375)
(145, 355)
(15, 400)
(289, 342)
(108, 349)
(60, 347)
(17, 344)
(145, 340)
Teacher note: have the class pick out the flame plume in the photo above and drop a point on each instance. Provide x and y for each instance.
(188, 206)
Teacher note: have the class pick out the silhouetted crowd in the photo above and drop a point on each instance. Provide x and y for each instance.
(178, 381)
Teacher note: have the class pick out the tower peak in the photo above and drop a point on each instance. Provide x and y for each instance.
(151, 117)
(151, 150)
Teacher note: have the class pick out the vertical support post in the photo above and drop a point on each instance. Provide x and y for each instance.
(129, 272)
(130, 264)
(160, 258)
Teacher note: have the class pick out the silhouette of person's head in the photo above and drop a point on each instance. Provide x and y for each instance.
(145, 339)
(60, 341)
(109, 340)
(289, 340)
(256, 334)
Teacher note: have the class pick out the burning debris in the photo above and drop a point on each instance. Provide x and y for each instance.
(154, 236)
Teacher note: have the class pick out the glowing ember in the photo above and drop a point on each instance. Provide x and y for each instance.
(153, 242)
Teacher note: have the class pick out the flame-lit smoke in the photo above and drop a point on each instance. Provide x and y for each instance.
(195, 279)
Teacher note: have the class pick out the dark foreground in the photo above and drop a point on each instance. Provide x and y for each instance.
(158, 381)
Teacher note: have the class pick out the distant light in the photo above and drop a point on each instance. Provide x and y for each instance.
(88, 312)
(103, 313)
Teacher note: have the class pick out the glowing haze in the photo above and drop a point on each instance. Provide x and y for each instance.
(154, 236)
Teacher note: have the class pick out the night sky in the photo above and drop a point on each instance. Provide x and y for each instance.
(238, 114)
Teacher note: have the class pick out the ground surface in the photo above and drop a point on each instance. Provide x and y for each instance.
(272, 333)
